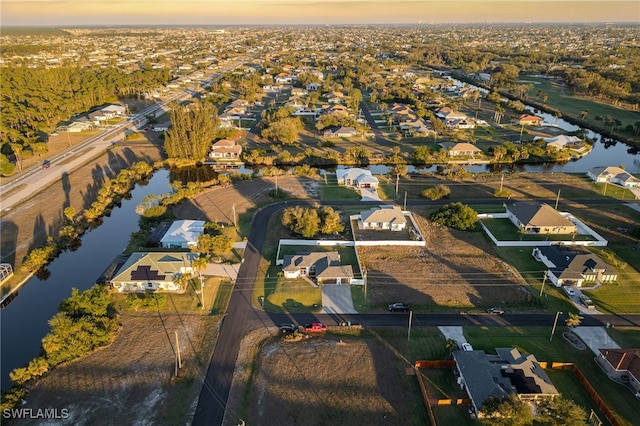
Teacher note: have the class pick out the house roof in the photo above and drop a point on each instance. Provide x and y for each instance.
(624, 359)
(361, 175)
(154, 266)
(327, 264)
(460, 147)
(613, 172)
(508, 372)
(571, 263)
(537, 214)
(383, 214)
(183, 231)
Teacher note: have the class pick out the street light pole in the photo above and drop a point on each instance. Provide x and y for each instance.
(409, 330)
(555, 322)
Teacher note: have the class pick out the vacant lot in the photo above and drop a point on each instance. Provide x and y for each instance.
(323, 380)
(455, 269)
(133, 379)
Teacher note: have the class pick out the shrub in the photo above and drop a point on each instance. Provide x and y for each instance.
(437, 192)
(457, 216)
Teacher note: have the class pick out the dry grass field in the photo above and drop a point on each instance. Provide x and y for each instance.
(455, 269)
(322, 380)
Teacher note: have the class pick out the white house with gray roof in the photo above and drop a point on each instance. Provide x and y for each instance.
(356, 178)
(614, 175)
(325, 267)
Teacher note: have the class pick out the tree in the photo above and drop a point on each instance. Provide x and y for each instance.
(284, 130)
(560, 412)
(302, 221)
(7, 167)
(330, 221)
(69, 213)
(507, 411)
(574, 320)
(451, 346)
(457, 216)
(193, 128)
(437, 192)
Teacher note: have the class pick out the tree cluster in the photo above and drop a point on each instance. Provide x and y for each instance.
(511, 411)
(456, 215)
(193, 128)
(309, 222)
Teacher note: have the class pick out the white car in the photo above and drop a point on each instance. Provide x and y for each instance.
(571, 292)
(467, 347)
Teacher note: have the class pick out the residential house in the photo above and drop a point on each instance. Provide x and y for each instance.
(529, 120)
(565, 142)
(114, 110)
(413, 126)
(225, 149)
(153, 271)
(509, 372)
(573, 267)
(324, 267)
(460, 123)
(182, 234)
(385, 217)
(312, 86)
(283, 78)
(340, 132)
(356, 178)
(614, 175)
(447, 113)
(622, 365)
(461, 149)
(298, 91)
(79, 125)
(539, 218)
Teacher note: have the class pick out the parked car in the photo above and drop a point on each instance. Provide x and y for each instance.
(497, 311)
(398, 307)
(570, 291)
(467, 347)
(316, 327)
(587, 302)
(288, 328)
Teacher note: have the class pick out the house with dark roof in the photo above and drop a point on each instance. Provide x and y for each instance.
(324, 267)
(614, 175)
(384, 217)
(569, 266)
(509, 372)
(539, 218)
(153, 271)
(623, 366)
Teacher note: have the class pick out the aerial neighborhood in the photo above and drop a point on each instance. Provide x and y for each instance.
(417, 224)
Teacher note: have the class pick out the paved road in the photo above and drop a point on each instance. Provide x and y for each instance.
(241, 317)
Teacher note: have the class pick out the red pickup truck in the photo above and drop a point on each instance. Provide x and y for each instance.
(316, 327)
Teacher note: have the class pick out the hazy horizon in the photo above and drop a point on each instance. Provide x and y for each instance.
(312, 12)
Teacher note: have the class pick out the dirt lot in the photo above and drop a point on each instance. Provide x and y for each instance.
(454, 269)
(322, 380)
(131, 381)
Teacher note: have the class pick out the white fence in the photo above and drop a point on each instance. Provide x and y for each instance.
(582, 229)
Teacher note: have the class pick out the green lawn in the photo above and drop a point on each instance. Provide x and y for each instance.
(292, 295)
(535, 340)
(332, 191)
(620, 297)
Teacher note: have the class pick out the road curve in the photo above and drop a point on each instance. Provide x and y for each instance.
(241, 317)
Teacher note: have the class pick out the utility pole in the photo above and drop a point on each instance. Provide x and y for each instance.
(233, 210)
(276, 183)
(409, 331)
(555, 322)
(405, 201)
(501, 181)
(178, 359)
(557, 199)
(544, 279)
(397, 182)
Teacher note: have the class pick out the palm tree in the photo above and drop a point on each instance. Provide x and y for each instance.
(574, 320)
(451, 345)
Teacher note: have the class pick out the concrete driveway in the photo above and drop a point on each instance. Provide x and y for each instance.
(224, 270)
(596, 338)
(336, 299)
(369, 194)
(453, 332)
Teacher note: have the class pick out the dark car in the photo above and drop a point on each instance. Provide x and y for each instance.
(46, 164)
(497, 311)
(398, 307)
(288, 328)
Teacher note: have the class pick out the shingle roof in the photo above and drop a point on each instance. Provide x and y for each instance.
(624, 359)
(384, 214)
(538, 214)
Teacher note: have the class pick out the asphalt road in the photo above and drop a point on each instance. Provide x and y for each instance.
(241, 317)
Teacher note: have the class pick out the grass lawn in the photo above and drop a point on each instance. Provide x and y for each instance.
(626, 337)
(620, 297)
(535, 340)
(332, 191)
(292, 295)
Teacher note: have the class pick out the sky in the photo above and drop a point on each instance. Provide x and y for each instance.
(277, 12)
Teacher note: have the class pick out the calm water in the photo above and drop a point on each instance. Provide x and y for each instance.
(24, 322)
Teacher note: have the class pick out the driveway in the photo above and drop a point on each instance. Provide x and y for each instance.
(453, 332)
(369, 194)
(221, 270)
(336, 299)
(596, 338)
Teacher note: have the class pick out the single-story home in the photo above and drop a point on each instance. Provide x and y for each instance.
(182, 234)
(622, 365)
(529, 120)
(325, 267)
(509, 372)
(384, 217)
(461, 149)
(153, 271)
(614, 175)
(564, 142)
(570, 266)
(340, 132)
(539, 218)
(225, 148)
(356, 178)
